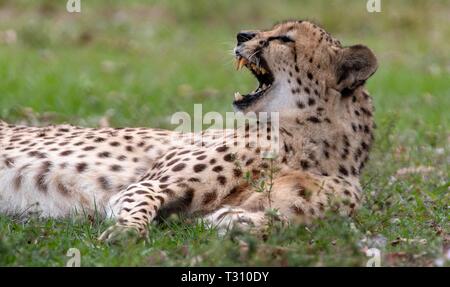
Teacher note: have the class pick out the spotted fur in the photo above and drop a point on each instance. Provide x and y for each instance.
(137, 174)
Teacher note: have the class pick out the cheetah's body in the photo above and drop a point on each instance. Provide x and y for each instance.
(135, 174)
(75, 167)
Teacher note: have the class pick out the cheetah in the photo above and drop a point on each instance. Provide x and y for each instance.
(136, 175)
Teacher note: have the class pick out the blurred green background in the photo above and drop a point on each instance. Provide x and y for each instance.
(136, 62)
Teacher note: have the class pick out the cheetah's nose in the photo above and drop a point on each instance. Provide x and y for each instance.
(245, 36)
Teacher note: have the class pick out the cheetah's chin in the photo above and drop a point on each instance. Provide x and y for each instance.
(262, 73)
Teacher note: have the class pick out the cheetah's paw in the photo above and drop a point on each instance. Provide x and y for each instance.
(119, 232)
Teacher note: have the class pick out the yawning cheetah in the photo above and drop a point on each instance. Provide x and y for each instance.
(135, 174)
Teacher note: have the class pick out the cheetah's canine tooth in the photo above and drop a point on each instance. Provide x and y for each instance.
(240, 62)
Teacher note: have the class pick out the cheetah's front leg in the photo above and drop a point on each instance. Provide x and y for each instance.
(134, 209)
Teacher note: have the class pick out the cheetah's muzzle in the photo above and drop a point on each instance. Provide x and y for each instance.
(259, 68)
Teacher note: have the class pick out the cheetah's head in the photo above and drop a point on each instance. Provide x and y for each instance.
(297, 63)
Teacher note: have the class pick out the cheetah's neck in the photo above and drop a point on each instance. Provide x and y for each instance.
(329, 139)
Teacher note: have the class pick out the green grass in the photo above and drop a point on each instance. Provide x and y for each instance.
(136, 64)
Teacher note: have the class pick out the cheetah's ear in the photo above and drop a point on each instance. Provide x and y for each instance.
(354, 66)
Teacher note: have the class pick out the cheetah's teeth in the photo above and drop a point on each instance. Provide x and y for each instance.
(240, 62)
(256, 69)
(238, 96)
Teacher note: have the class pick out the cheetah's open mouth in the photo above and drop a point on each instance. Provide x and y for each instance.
(262, 73)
